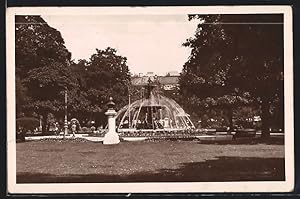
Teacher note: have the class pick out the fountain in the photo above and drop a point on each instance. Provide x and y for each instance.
(153, 112)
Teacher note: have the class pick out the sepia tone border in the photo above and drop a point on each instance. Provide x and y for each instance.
(261, 186)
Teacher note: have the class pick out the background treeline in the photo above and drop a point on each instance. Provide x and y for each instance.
(235, 71)
(45, 70)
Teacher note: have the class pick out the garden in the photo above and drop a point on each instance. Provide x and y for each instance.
(232, 97)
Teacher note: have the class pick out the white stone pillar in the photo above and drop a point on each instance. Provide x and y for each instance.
(111, 137)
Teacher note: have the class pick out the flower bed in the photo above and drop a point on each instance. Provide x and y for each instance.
(160, 134)
(163, 134)
(63, 140)
(97, 133)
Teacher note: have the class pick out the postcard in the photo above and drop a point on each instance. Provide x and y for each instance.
(150, 99)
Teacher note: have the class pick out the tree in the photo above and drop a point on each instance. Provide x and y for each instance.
(261, 55)
(47, 86)
(44, 71)
(21, 97)
(36, 44)
(105, 75)
(231, 52)
(42, 66)
(205, 75)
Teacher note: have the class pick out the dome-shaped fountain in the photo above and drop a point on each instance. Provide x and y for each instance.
(153, 112)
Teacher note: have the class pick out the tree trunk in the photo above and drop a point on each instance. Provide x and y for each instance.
(281, 109)
(44, 124)
(265, 108)
(230, 118)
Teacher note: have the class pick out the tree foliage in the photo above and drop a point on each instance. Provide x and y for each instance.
(36, 44)
(42, 62)
(105, 75)
(45, 71)
(235, 60)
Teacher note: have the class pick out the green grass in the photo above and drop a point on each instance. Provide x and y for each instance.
(147, 161)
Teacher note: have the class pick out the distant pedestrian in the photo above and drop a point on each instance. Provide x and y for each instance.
(56, 129)
(73, 128)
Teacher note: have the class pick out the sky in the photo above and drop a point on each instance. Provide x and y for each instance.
(151, 43)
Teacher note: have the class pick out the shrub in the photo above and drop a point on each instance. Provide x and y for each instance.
(28, 123)
(84, 129)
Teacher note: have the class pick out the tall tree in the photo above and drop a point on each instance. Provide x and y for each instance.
(205, 75)
(105, 75)
(36, 44)
(243, 52)
(261, 57)
(42, 66)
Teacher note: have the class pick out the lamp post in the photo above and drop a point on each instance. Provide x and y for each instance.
(40, 127)
(66, 113)
(40, 118)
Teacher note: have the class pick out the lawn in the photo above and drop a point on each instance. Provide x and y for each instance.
(167, 161)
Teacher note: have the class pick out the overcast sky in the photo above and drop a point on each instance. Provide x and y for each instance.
(151, 43)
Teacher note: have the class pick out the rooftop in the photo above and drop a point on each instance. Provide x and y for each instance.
(164, 80)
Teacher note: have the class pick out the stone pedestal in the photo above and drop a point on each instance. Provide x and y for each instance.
(111, 137)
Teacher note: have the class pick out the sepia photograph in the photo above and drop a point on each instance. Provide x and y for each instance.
(150, 99)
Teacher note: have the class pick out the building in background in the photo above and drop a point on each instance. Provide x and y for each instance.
(167, 83)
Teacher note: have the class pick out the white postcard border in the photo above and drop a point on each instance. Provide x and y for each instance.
(257, 186)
